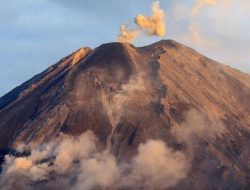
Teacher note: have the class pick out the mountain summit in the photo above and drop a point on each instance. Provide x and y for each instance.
(128, 95)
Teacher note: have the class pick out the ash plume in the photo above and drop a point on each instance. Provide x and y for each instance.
(127, 35)
(149, 25)
(154, 24)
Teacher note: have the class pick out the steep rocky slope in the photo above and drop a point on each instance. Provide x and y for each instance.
(127, 95)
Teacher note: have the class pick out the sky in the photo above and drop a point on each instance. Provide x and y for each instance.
(35, 34)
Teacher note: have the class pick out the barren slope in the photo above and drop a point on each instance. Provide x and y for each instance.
(127, 95)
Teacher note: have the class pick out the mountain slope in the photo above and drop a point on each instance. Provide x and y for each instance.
(127, 95)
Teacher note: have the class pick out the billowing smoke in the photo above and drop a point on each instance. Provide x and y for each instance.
(155, 24)
(115, 106)
(149, 25)
(156, 167)
(63, 151)
(76, 163)
(196, 123)
(99, 171)
(80, 165)
(197, 126)
(127, 35)
(67, 157)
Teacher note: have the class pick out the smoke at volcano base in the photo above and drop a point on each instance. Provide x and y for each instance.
(76, 163)
(79, 159)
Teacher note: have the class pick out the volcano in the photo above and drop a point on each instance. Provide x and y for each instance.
(127, 95)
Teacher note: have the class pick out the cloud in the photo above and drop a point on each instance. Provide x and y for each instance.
(127, 35)
(115, 105)
(70, 149)
(100, 171)
(216, 29)
(156, 167)
(149, 25)
(79, 161)
(31, 27)
(154, 24)
(199, 124)
(85, 166)
(195, 126)
(197, 8)
(194, 30)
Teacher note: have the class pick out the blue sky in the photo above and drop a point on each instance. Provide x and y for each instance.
(37, 33)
